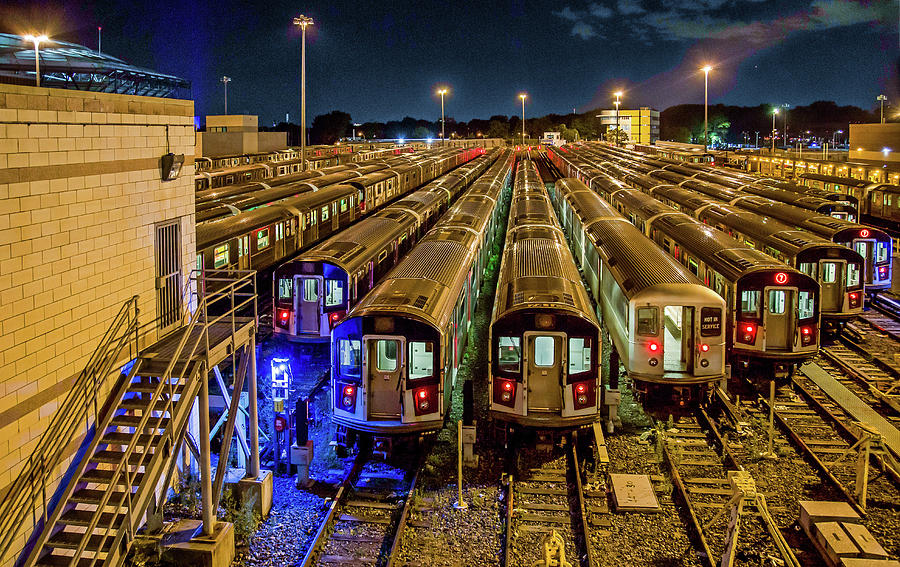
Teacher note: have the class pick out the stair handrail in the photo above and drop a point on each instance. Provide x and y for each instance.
(80, 407)
(190, 321)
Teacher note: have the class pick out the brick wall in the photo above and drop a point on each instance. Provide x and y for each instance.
(80, 193)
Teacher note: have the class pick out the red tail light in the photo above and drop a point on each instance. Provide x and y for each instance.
(585, 396)
(704, 348)
(808, 335)
(854, 299)
(746, 333)
(425, 400)
(653, 346)
(346, 398)
(504, 392)
(283, 318)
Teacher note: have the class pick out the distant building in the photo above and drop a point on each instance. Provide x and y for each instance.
(641, 125)
(237, 134)
(552, 139)
(875, 142)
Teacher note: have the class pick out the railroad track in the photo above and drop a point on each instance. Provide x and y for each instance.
(366, 516)
(871, 382)
(712, 482)
(546, 509)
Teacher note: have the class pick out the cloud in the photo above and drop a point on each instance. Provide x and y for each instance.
(599, 11)
(567, 14)
(628, 7)
(583, 30)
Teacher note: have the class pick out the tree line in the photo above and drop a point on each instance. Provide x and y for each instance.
(683, 123)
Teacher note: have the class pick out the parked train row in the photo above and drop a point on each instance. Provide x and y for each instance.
(773, 309)
(873, 244)
(315, 290)
(879, 201)
(289, 154)
(396, 355)
(259, 238)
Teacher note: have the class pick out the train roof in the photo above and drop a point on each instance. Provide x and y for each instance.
(350, 249)
(848, 181)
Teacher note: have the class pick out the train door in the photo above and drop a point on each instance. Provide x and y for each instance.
(678, 338)
(866, 249)
(244, 253)
(383, 373)
(544, 363)
(831, 282)
(308, 303)
(778, 317)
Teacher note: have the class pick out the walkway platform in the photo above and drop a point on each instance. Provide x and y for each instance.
(223, 340)
(857, 408)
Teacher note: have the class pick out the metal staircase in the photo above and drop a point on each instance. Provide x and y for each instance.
(132, 442)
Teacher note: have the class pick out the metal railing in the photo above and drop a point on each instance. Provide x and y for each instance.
(80, 408)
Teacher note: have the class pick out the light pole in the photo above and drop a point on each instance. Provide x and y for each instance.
(618, 96)
(881, 98)
(523, 96)
(303, 21)
(442, 92)
(225, 81)
(834, 137)
(37, 40)
(99, 39)
(785, 107)
(706, 69)
(774, 114)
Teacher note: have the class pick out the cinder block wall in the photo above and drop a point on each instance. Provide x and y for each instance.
(80, 194)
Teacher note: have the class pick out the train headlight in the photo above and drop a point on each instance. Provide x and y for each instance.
(653, 362)
(704, 363)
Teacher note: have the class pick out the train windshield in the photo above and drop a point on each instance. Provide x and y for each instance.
(421, 359)
(806, 305)
(579, 355)
(647, 321)
(852, 274)
(882, 251)
(285, 289)
(509, 354)
(334, 293)
(349, 357)
(750, 303)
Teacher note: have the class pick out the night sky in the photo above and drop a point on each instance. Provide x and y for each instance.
(383, 61)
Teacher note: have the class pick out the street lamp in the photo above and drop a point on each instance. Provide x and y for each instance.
(225, 81)
(881, 98)
(834, 136)
(706, 69)
(774, 114)
(785, 107)
(523, 96)
(303, 21)
(442, 92)
(37, 40)
(618, 96)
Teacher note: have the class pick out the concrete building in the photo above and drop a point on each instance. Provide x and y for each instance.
(231, 135)
(875, 143)
(86, 222)
(641, 125)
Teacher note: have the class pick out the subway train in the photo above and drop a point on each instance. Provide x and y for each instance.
(544, 334)
(666, 327)
(258, 239)
(773, 317)
(315, 290)
(837, 268)
(879, 201)
(873, 244)
(395, 357)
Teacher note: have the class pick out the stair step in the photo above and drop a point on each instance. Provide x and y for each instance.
(135, 420)
(149, 386)
(54, 560)
(143, 404)
(157, 367)
(71, 540)
(118, 438)
(93, 496)
(101, 476)
(115, 457)
(76, 517)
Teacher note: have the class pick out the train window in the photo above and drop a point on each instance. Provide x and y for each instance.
(325, 213)
(262, 239)
(852, 274)
(579, 355)
(509, 354)
(808, 268)
(693, 267)
(344, 205)
(279, 231)
(421, 359)
(881, 251)
(829, 272)
(310, 290)
(647, 321)
(386, 355)
(199, 262)
(334, 292)
(750, 302)
(806, 305)
(285, 288)
(314, 215)
(776, 301)
(544, 351)
(221, 256)
(349, 357)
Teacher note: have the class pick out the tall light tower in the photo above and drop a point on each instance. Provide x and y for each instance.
(225, 81)
(99, 38)
(785, 107)
(36, 40)
(303, 21)
(442, 92)
(618, 96)
(774, 114)
(523, 96)
(706, 69)
(881, 98)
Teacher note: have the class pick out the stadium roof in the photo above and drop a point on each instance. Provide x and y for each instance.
(72, 66)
